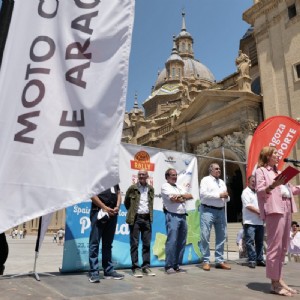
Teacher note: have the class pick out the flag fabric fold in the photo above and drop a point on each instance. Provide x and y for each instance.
(63, 84)
(281, 132)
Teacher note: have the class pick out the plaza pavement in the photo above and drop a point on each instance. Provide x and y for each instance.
(240, 283)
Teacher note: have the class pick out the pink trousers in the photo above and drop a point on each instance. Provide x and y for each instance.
(278, 237)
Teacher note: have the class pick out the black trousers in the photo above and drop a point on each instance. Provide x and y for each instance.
(141, 226)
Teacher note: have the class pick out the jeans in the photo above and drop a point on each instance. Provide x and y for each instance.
(141, 225)
(176, 239)
(106, 231)
(254, 239)
(212, 217)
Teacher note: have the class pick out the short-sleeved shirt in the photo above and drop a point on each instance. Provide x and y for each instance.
(249, 198)
(109, 197)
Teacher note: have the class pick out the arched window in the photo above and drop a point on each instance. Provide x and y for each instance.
(173, 72)
(183, 47)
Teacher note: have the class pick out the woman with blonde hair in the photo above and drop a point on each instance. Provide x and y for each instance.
(276, 205)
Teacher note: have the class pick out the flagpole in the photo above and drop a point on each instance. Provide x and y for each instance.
(5, 17)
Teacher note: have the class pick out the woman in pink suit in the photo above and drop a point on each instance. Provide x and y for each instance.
(276, 205)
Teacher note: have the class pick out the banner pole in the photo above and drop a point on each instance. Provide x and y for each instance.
(225, 181)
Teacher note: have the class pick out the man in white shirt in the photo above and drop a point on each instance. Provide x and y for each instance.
(174, 198)
(213, 195)
(253, 226)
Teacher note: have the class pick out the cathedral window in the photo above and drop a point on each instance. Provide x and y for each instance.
(292, 12)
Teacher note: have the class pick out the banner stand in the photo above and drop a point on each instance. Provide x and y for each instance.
(37, 247)
(34, 273)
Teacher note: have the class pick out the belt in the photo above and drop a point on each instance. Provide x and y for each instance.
(213, 207)
(143, 216)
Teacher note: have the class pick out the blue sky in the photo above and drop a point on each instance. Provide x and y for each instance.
(216, 26)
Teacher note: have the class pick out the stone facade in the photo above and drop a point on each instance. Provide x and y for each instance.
(276, 25)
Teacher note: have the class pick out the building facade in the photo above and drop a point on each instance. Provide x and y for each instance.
(276, 32)
(189, 111)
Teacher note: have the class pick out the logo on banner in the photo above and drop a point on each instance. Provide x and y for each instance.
(142, 161)
(170, 159)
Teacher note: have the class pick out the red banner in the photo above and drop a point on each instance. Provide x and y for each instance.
(281, 132)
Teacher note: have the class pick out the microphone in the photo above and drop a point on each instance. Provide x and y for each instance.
(293, 161)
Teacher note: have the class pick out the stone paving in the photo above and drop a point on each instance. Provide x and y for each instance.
(239, 283)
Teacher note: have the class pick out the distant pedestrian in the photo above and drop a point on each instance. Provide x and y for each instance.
(60, 234)
(54, 237)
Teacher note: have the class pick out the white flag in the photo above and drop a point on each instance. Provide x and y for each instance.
(63, 84)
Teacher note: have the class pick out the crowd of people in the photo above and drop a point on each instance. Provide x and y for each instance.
(268, 203)
(18, 234)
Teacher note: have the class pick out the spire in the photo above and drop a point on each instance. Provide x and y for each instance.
(183, 27)
(136, 105)
(184, 41)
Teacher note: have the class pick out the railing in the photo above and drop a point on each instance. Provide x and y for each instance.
(163, 130)
(144, 139)
(154, 134)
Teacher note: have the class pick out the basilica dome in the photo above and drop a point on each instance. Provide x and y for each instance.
(193, 69)
(181, 65)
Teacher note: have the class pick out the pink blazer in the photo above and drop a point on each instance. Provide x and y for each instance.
(271, 203)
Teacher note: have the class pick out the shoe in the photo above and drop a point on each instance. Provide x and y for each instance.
(261, 263)
(206, 266)
(94, 279)
(137, 273)
(222, 266)
(148, 272)
(179, 270)
(170, 271)
(114, 275)
(251, 264)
